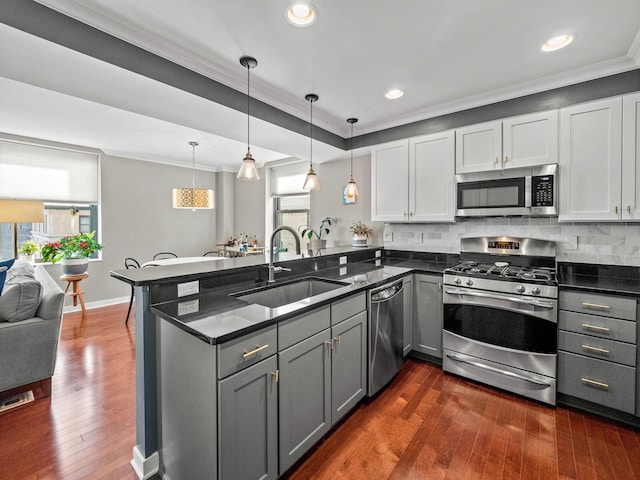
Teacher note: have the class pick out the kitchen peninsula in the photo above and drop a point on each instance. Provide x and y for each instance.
(196, 329)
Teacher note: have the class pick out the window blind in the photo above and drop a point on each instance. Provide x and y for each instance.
(288, 179)
(36, 172)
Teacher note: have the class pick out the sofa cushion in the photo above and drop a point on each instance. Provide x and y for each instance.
(20, 299)
(21, 268)
(4, 266)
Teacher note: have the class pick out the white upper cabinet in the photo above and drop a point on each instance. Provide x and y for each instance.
(631, 157)
(413, 180)
(390, 182)
(591, 161)
(523, 141)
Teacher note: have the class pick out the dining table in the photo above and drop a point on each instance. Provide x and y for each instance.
(179, 260)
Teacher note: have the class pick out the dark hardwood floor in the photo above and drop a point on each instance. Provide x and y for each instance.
(425, 425)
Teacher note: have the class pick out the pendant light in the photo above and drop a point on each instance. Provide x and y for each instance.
(352, 188)
(248, 169)
(193, 198)
(311, 182)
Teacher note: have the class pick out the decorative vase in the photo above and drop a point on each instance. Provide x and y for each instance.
(28, 258)
(318, 244)
(359, 240)
(74, 266)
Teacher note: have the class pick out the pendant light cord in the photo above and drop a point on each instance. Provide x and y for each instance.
(351, 148)
(248, 107)
(311, 138)
(193, 165)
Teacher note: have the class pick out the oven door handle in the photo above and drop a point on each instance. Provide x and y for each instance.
(498, 370)
(529, 301)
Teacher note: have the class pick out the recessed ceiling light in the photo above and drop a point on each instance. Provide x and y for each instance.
(301, 14)
(394, 93)
(556, 43)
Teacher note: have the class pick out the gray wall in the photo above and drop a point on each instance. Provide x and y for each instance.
(327, 202)
(138, 221)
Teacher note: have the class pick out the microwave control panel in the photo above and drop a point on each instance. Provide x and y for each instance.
(542, 191)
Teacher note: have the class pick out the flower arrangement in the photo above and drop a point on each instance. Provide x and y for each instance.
(359, 228)
(324, 228)
(81, 245)
(28, 247)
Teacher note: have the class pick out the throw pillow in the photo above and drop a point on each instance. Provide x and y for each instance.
(21, 268)
(20, 299)
(4, 266)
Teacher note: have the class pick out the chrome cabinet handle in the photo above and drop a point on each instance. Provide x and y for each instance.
(629, 209)
(595, 327)
(594, 383)
(254, 351)
(615, 209)
(595, 305)
(594, 349)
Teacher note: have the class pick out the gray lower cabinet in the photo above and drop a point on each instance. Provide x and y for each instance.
(427, 320)
(597, 351)
(304, 396)
(408, 309)
(248, 423)
(348, 365)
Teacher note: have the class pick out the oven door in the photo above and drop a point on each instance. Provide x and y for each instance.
(515, 322)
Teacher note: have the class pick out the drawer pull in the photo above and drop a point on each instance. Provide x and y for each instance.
(594, 383)
(594, 349)
(595, 305)
(254, 351)
(595, 327)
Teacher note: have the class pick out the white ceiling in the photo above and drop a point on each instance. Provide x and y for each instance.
(446, 56)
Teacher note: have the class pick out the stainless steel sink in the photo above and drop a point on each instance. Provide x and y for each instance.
(282, 294)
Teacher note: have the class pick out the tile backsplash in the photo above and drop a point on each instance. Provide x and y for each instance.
(603, 243)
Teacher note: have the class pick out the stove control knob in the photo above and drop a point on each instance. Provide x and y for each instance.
(457, 281)
(535, 291)
(520, 289)
(469, 282)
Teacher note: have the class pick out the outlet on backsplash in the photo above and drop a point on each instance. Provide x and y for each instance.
(417, 237)
(571, 243)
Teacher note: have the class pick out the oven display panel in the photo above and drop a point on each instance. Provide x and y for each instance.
(504, 245)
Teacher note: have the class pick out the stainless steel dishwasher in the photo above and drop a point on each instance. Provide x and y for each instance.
(386, 310)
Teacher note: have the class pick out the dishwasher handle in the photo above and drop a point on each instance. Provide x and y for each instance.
(387, 292)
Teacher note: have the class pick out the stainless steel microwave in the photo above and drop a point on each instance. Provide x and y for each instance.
(516, 191)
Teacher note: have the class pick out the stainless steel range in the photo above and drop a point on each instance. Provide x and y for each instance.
(501, 315)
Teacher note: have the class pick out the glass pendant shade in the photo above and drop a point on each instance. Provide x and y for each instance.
(192, 197)
(352, 189)
(311, 182)
(248, 170)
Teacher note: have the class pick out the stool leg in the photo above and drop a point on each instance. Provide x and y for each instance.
(77, 289)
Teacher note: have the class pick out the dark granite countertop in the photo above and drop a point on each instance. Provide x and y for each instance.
(218, 316)
(609, 279)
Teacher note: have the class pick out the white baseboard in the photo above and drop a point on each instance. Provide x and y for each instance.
(145, 467)
(100, 303)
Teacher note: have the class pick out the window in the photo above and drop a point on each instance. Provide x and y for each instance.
(59, 220)
(68, 181)
(292, 211)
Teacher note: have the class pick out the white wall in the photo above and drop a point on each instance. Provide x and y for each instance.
(327, 202)
(250, 208)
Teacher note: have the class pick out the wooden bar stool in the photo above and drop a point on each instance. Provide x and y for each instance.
(76, 292)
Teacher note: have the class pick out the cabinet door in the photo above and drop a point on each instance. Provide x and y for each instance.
(304, 396)
(248, 429)
(591, 161)
(530, 140)
(408, 314)
(431, 178)
(390, 182)
(631, 157)
(479, 147)
(427, 322)
(348, 365)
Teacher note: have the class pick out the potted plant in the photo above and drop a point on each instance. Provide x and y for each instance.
(315, 236)
(73, 252)
(27, 250)
(360, 233)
